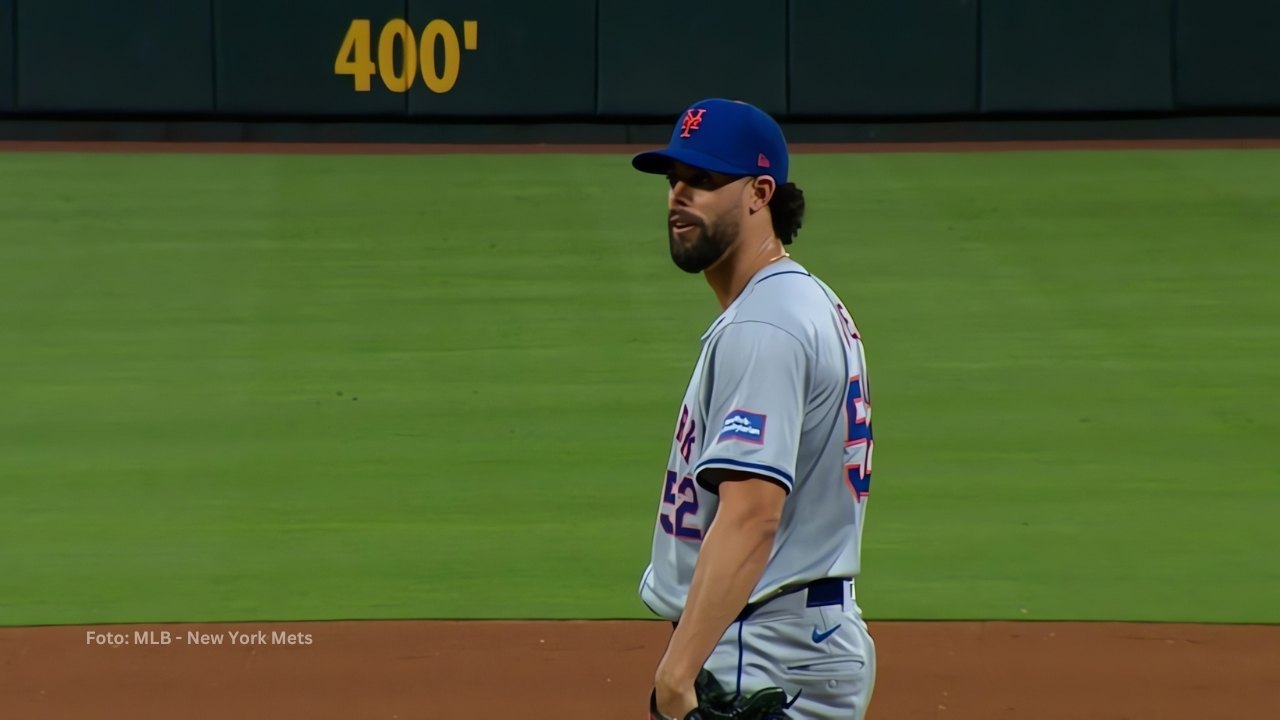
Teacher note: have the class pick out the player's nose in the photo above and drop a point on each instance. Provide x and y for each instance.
(678, 198)
(680, 192)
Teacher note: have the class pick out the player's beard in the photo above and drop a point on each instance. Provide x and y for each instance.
(709, 245)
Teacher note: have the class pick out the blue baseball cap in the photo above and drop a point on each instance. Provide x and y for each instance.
(724, 136)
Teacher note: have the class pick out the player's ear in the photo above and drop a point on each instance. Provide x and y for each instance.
(762, 189)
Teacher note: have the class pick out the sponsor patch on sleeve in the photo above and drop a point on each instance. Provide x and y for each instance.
(745, 426)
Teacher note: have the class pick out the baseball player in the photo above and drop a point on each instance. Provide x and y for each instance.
(758, 536)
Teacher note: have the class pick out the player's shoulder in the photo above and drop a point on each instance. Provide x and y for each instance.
(788, 298)
(786, 294)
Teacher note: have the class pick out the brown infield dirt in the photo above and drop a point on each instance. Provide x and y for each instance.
(437, 670)
(498, 670)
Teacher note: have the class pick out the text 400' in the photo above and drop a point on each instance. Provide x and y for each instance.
(415, 53)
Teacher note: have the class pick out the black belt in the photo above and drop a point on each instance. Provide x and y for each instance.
(823, 592)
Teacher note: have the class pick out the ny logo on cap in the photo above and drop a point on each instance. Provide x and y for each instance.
(692, 121)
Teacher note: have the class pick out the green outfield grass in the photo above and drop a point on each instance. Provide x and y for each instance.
(246, 387)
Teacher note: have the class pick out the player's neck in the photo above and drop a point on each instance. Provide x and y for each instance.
(732, 272)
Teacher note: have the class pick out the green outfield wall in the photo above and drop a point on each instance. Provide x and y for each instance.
(616, 60)
(6, 55)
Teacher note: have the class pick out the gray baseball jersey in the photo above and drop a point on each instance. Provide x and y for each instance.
(780, 390)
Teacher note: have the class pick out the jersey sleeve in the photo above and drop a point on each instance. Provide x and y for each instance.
(755, 404)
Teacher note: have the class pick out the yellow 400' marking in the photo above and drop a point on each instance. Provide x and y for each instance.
(355, 56)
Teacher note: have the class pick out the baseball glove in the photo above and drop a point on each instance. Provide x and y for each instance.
(716, 703)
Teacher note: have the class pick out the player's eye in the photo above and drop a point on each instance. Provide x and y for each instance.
(700, 181)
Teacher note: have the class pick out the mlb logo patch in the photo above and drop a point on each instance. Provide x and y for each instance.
(743, 426)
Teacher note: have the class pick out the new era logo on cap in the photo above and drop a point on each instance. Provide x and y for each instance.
(762, 161)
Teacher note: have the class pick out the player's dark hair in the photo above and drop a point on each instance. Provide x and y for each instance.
(786, 208)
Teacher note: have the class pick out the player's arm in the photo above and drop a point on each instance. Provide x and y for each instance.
(733, 556)
(758, 399)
